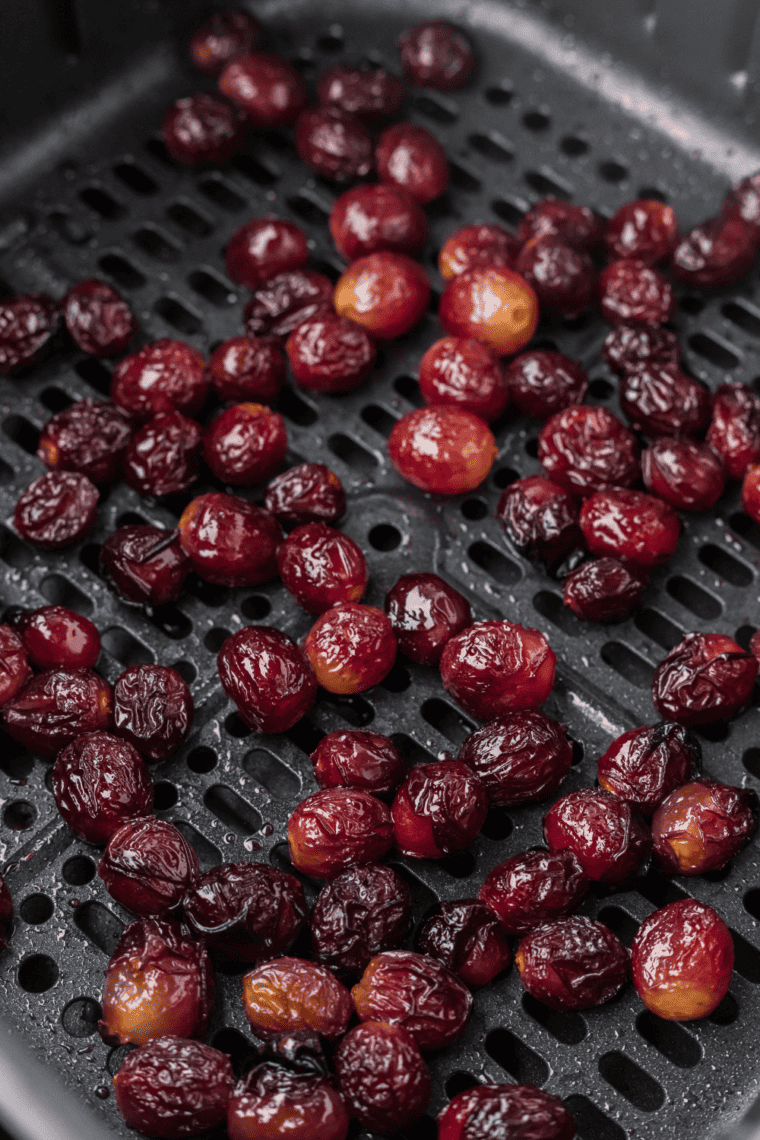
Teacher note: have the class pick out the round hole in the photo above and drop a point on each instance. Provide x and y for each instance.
(15, 763)
(78, 870)
(255, 608)
(474, 509)
(215, 639)
(505, 476)
(115, 1058)
(612, 171)
(186, 670)
(459, 864)
(652, 192)
(236, 726)
(37, 974)
(692, 304)
(498, 96)
(398, 680)
(573, 147)
(600, 389)
(202, 760)
(384, 537)
(165, 796)
(19, 815)
(578, 752)
(536, 120)
(531, 447)
(36, 909)
(49, 779)
(81, 1016)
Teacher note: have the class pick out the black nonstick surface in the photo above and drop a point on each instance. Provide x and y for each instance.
(125, 212)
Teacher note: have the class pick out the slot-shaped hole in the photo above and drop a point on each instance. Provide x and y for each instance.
(462, 178)
(547, 181)
(208, 855)
(410, 751)
(408, 387)
(751, 761)
(6, 472)
(15, 763)
(743, 315)
(156, 148)
(384, 537)
(590, 1122)
(305, 735)
(125, 647)
(176, 315)
(652, 192)
(55, 399)
(211, 288)
(255, 170)
(493, 146)
(232, 810)
(660, 628)
(567, 1028)
(727, 1012)
(135, 178)
(460, 1082)
(170, 620)
(494, 563)
(36, 909)
(38, 973)
(95, 373)
(22, 432)
(714, 351)
(601, 389)
(474, 509)
(619, 922)
(498, 825)
(209, 593)
(499, 95)
(745, 527)
(531, 447)
(536, 120)
(631, 1081)
(746, 958)
(516, 1058)
(221, 195)
(612, 171)
(237, 1047)
(99, 924)
(627, 663)
(505, 477)
(397, 680)
(440, 110)
(78, 870)
(307, 208)
(744, 635)
(551, 606)
(156, 245)
(102, 203)
(13, 551)
(657, 889)
(447, 720)
(694, 598)
(751, 900)
(509, 212)
(332, 40)
(354, 710)
(459, 864)
(188, 219)
(725, 565)
(377, 418)
(202, 760)
(670, 1039)
(272, 774)
(80, 1017)
(294, 408)
(352, 453)
(68, 227)
(573, 146)
(442, 208)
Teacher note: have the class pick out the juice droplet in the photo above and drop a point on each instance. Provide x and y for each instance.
(102, 1093)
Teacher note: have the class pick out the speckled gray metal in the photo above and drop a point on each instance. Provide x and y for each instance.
(522, 129)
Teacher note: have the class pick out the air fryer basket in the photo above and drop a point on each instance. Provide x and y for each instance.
(92, 193)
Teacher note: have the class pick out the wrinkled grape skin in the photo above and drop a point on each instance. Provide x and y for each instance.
(532, 888)
(279, 306)
(56, 706)
(630, 525)
(744, 200)
(307, 493)
(90, 437)
(152, 709)
(351, 647)
(583, 448)
(335, 828)
(148, 866)
(562, 277)
(366, 219)
(370, 93)
(683, 472)
(498, 667)
(14, 664)
(735, 428)
(463, 372)
(6, 914)
(268, 89)
(226, 33)
(173, 1088)
(646, 764)
(444, 450)
(291, 994)
(57, 638)
(386, 293)
(145, 564)
(28, 321)
(605, 589)
(573, 963)
(438, 809)
(230, 541)
(357, 759)
(426, 612)
(100, 782)
(705, 679)
(245, 444)
(159, 982)
(202, 128)
(56, 510)
(565, 223)
(247, 368)
(333, 143)
(416, 992)
(246, 912)
(632, 293)
(358, 914)
(491, 304)
(321, 566)
(469, 939)
(520, 758)
(681, 959)
(264, 248)
(163, 376)
(382, 1077)
(164, 456)
(717, 252)
(751, 493)
(629, 347)
(662, 400)
(606, 835)
(702, 826)
(272, 1102)
(436, 54)
(645, 230)
(484, 243)
(268, 677)
(517, 1112)
(543, 383)
(328, 353)
(540, 518)
(410, 157)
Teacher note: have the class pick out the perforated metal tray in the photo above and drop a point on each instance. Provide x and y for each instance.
(541, 117)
